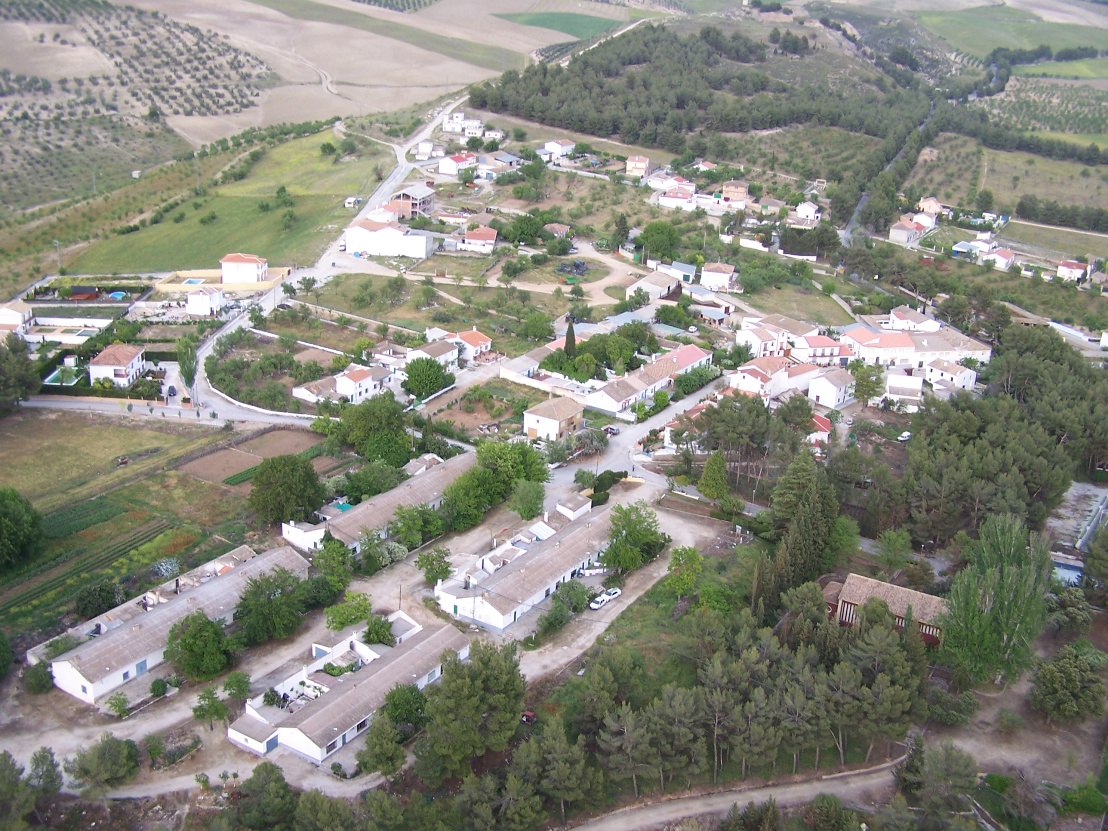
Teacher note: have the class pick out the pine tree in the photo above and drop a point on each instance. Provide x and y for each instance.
(566, 773)
(791, 488)
(626, 747)
(676, 733)
(713, 481)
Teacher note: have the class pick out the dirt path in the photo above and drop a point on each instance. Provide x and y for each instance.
(861, 789)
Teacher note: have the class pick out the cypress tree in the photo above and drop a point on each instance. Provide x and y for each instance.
(571, 341)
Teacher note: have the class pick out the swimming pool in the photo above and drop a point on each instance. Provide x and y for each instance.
(194, 281)
(1066, 573)
(118, 295)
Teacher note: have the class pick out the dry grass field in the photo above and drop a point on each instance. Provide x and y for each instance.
(801, 304)
(951, 172)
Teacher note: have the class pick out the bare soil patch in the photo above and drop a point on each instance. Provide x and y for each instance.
(215, 467)
(280, 442)
(318, 355)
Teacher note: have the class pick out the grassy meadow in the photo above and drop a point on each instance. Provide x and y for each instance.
(800, 303)
(190, 239)
(1062, 240)
(1086, 70)
(979, 30)
(578, 26)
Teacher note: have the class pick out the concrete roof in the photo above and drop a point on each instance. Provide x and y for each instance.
(142, 636)
(419, 490)
(545, 562)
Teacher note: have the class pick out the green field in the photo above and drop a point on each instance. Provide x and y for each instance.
(477, 54)
(1061, 240)
(300, 167)
(1085, 70)
(801, 304)
(1099, 139)
(979, 30)
(579, 26)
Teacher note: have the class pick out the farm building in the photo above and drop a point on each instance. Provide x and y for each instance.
(656, 284)
(387, 239)
(507, 583)
(844, 599)
(120, 363)
(375, 513)
(320, 713)
(243, 268)
(128, 641)
(481, 240)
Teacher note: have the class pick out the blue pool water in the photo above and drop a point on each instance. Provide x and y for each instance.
(194, 281)
(118, 295)
(1067, 573)
(55, 378)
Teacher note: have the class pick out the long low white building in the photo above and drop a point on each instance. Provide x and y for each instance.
(504, 585)
(387, 239)
(130, 640)
(319, 713)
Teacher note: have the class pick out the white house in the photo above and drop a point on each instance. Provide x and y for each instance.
(243, 268)
(904, 389)
(717, 276)
(205, 301)
(685, 272)
(907, 319)
(834, 389)
(930, 205)
(553, 419)
(128, 641)
(15, 316)
(1070, 270)
(471, 343)
(820, 436)
(388, 239)
(323, 712)
(443, 351)
(120, 363)
(506, 584)
(423, 150)
(559, 148)
(481, 240)
(656, 285)
(574, 506)
(357, 383)
(453, 165)
(1001, 259)
(906, 232)
(880, 348)
(940, 373)
(682, 199)
(808, 211)
(927, 220)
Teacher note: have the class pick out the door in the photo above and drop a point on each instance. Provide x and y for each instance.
(270, 744)
(140, 667)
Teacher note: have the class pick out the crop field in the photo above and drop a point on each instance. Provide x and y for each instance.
(951, 172)
(56, 458)
(977, 31)
(1049, 105)
(1061, 241)
(1010, 175)
(800, 303)
(579, 26)
(1086, 70)
(807, 152)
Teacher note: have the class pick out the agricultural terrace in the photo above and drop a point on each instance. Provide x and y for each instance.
(107, 76)
(579, 26)
(955, 168)
(249, 215)
(104, 519)
(977, 31)
(1050, 106)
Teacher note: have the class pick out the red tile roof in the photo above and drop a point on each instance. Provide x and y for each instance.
(244, 258)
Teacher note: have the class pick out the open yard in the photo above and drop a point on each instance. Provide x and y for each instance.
(1060, 240)
(800, 303)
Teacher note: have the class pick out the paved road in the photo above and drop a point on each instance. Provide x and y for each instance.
(853, 790)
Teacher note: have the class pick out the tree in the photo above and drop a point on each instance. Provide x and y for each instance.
(198, 647)
(270, 607)
(435, 564)
(996, 606)
(378, 629)
(107, 763)
(118, 705)
(1067, 688)
(315, 811)
(377, 414)
(97, 598)
(404, 706)
(659, 240)
(537, 326)
(383, 752)
(186, 361)
(791, 488)
(1096, 562)
(285, 488)
(713, 482)
(21, 532)
(984, 200)
(266, 802)
(45, 775)
(336, 563)
(1068, 612)
(18, 378)
(527, 498)
(634, 537)
(948, 775)
(38, 678)
(355, 608)
(868, 381)
(685, 567)
(566, 774)
(626, 748)
(17, 800)
(210, 708)
(426, 376)
(895, 549)
(237, 685)
(570, 346)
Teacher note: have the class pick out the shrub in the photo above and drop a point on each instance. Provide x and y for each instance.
(1008, 723)
(1084, 799)
(554, 618)
(38, 679)
(950, 709)
(159, 687)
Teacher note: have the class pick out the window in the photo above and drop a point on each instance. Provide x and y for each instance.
(362, 725)
(84, 690)
(126, 675)
(433, 674)
(333, 746)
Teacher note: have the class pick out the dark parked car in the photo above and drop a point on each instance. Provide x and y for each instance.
(172, 391)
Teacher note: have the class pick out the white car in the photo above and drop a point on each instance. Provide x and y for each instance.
(904, 436)
(604, 598)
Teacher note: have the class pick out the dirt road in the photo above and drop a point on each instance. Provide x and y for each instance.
(862, 789)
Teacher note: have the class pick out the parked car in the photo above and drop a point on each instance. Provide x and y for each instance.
(904, 436)
(604, 598)
(611, 430)
(172, 391)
